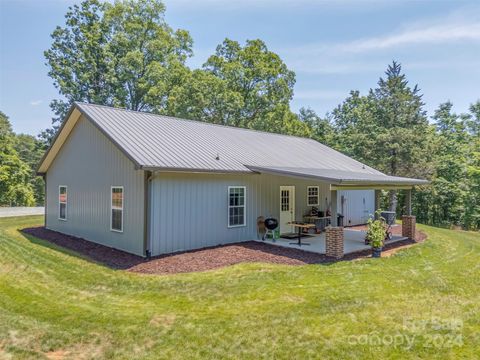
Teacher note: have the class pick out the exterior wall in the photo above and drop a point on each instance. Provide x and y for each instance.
(190, 211)
(89, 164)
(358, 206)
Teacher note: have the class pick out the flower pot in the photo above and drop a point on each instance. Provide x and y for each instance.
(376, 252)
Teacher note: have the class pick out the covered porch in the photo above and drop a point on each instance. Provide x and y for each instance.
(336, 240)
(353, 241)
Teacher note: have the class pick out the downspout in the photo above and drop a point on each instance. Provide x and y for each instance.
(44, 176)
(146, 217)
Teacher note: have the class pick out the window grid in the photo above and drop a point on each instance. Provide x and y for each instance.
(236, 206)
(313, 196)
(285, 199)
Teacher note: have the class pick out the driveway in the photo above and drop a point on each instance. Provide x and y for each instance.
(21, 211)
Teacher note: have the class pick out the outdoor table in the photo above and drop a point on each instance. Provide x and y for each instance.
(300, 227)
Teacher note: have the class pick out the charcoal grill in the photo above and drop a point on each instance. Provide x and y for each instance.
(270, 224)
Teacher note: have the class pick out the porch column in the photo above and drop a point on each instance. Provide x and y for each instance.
(334, 241)
(408, 202)
(377, 202)
(409, 221)
(333, 208)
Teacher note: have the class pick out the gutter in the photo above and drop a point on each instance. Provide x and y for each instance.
(147, 251)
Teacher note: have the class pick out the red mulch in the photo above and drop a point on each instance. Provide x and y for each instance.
(196, 260)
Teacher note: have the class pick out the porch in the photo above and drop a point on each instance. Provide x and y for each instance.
(353, 241)
(335, 240)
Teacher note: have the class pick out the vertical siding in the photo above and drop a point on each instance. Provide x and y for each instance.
(357, 207)
(89, 164)
(190, 211)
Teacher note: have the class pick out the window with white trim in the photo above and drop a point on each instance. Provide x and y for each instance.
(116, 211)
(313, 195)
(62, 202)
(236, 205)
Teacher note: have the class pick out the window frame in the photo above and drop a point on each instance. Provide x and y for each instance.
(59, 203)
(237, 206)
(115, 208)
(308, 195)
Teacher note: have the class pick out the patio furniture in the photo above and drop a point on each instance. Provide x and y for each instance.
(300, 227)
(323, 221)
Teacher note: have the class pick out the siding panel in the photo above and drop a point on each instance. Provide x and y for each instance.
(190, 211)
(89, 164)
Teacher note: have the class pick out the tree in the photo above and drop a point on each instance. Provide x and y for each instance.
(15, 189)
(321, 128)
(121, 54)
(30, 150)
(247, 86)
(387, 129)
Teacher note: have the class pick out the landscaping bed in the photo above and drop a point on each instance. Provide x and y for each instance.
(198, 260)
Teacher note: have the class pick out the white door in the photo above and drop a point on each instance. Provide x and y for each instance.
(287, 208)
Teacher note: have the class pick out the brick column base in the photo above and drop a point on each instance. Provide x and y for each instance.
(408, 226)
(334, 242)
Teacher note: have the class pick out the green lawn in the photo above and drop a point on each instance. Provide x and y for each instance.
(54, 301)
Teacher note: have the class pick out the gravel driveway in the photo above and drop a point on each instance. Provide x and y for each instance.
(21, 211)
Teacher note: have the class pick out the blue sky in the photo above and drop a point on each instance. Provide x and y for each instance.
(333, 47)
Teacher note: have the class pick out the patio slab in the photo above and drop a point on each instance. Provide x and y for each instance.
(354, 240)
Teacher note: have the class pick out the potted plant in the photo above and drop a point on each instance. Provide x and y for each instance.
(376, 235)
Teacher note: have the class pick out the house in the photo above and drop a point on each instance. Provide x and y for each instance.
(150, 184)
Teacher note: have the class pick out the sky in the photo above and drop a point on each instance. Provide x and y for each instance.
(333, 47)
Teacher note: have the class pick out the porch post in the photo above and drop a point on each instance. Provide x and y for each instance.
(408, 202)
(408, 220)
(333, 208)
(377, 202)
(334, 233)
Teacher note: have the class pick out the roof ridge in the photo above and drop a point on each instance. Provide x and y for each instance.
(195, 121)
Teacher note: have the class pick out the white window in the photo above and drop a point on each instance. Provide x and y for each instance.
(116, 213)
(313, 196)
(236, 205)
(62, 202)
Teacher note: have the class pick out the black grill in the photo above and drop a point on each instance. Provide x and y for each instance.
(271, 223)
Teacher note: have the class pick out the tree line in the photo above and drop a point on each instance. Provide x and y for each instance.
(124, 54)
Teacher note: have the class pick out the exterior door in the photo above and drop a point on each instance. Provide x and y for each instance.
(287, 208)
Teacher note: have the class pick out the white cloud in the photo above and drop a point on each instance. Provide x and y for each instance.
(36, 102)
(436, 34)
(371, 54)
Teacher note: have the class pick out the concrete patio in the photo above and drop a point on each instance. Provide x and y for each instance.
(354, 240)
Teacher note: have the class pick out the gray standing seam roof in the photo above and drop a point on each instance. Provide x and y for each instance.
(156, 142)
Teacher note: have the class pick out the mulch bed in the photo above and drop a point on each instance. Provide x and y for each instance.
(198, 260)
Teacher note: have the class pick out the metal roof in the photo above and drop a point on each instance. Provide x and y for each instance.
(157, 142)
(339, 177)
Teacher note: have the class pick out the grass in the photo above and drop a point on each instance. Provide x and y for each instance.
(58, 305)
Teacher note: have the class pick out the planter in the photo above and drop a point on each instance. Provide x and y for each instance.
(376, 252)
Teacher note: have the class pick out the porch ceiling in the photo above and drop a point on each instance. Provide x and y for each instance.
(342, 179)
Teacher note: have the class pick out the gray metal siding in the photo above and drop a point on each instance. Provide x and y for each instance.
(190, 211)
(89, 164)
(357, 207)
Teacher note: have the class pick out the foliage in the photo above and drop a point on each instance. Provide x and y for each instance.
(120, 54)
(453, 197)
(54, 302)
(15, 188)
(387, 128)
(247, 86)
(30, 150)
(376, 231)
